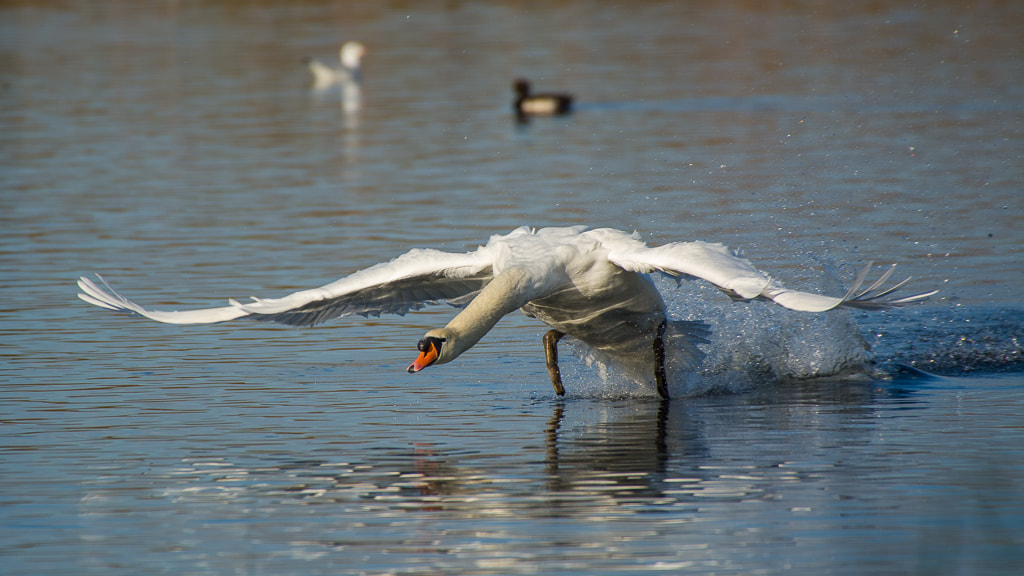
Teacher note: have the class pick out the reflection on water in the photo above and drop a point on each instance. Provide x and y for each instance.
(595, 487)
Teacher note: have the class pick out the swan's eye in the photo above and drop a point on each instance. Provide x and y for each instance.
(429, 342)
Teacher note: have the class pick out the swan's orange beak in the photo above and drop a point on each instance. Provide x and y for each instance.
(429, 350)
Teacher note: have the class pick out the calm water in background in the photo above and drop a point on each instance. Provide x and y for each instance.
(179, 150)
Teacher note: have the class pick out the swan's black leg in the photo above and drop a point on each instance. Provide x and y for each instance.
(551, 354)
(659, 361)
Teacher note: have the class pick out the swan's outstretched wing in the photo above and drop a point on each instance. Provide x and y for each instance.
(106, 297)
(740, 279)
(406, 283)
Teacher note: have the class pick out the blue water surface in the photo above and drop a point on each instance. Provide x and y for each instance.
(180, 150)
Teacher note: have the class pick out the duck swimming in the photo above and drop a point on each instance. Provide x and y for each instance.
(592, 284)
(528, 104)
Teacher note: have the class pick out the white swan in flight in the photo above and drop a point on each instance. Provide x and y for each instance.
(352, 53)
(591, 284)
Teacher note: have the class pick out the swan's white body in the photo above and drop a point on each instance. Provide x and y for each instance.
(591, 284)
(351, 55)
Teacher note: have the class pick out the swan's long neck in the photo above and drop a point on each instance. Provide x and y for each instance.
(508, 292)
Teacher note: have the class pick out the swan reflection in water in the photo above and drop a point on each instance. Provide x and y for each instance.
(585, 458)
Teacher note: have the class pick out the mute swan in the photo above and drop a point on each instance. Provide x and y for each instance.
(539, 104)
(350, 72)
(591, 284)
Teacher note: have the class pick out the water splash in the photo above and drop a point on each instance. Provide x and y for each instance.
(757, 344)
(751, 344)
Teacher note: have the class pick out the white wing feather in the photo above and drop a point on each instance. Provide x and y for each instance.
(408, 282)
(740, 279)
(712, 262)
(111, 299)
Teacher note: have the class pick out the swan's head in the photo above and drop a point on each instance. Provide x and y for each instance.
(436, 347)
(352, 54)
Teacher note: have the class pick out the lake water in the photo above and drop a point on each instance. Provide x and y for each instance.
(178, 149)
